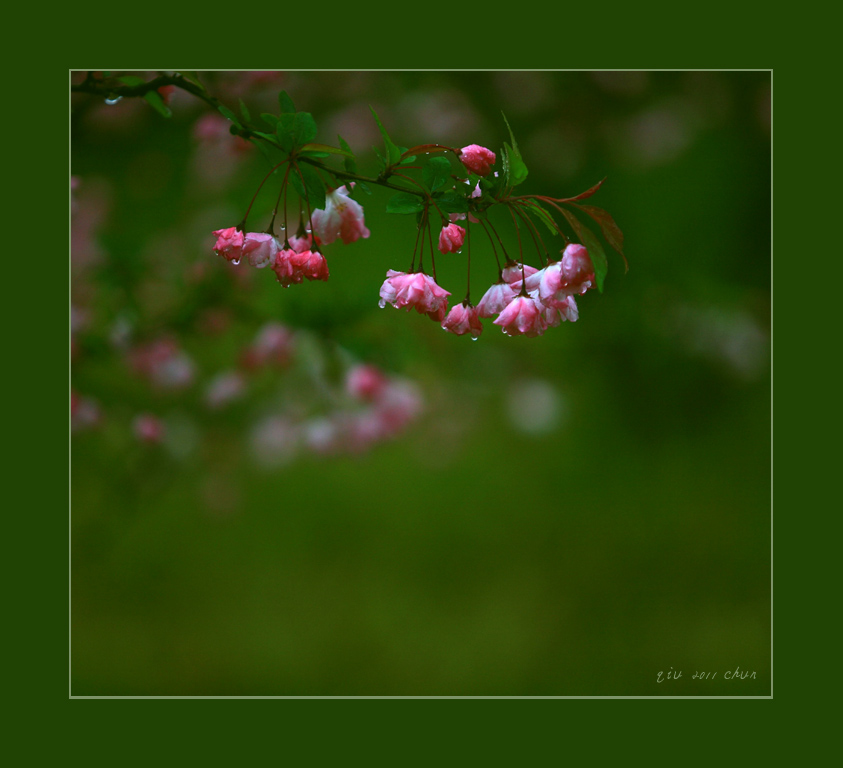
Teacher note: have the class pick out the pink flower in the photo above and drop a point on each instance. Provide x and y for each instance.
(494, 301)
(365, 382)
(303, 243)
(451, 238)
(512, 273)
(463, 318)
(534, 277)
(342, 217)
(147, 428)
(573, 274)
(522, 316)
(414, 289)
(229, 243)
(477, 159)
(292, 267)
(577, 269)
(311, 265)
(260, 248)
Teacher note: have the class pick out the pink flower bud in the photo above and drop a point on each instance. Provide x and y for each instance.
(477, 159)
(260, 248)
(229, 244)
(522, 316)
(414, 290)
(462, 319)
(451, 238)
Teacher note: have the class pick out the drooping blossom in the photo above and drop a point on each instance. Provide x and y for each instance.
(229, 244)
(293, 266)
(451, 238)
(577, 269)
(494, 301)
(342, 217)
(260, 248)
(522, 317)
(463, 318)
(477, 159)
(572, 275)
(365, 382)
(512, 274)
(301, 243)
(414, 290)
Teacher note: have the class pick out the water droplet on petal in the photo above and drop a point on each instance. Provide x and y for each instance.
(113, 100)
(382, 303)
(235, 262)
(474, 338)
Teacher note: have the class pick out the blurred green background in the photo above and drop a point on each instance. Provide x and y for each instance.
(571, 515)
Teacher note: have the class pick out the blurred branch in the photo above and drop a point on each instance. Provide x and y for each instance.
(110, 88)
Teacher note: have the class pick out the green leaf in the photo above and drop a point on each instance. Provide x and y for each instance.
(611, 231)
(270, 120)
(193, 77)
(595, 250)
(452, 202)
(543, 215)
(515, 170)
(393, 153)
(271, 137)
(326, 149)
(285, 102)
(436, 172)
(154, 99)
(313, 190)
(404, 202)
(348, 162)
(245, 112)
(490, 185)
(226, 112)
(263, 147)
(381, 159)
(285, 131)
(304, 129)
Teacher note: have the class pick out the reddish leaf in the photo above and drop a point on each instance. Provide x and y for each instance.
(583, 195)
(611, 231)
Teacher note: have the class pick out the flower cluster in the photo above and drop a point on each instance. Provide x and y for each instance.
(525, 302)
(298, 257)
